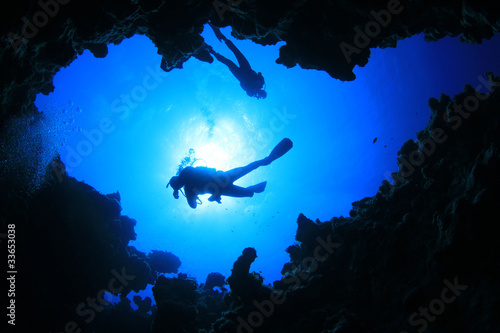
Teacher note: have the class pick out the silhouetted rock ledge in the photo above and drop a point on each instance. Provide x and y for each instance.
(421, 255)
(71, 248)
(40, 37)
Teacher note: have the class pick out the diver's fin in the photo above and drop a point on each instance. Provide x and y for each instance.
(259, 188)
(214, 197)
(281, 149)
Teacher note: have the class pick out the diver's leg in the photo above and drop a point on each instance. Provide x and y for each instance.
(217, 32)
(259, 188)
(279, 150)
(237, 191)
(231, 65)
(235, 70)
(242, 61)
(237, 173)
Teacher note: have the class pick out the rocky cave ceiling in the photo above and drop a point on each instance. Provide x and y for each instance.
(40, 37)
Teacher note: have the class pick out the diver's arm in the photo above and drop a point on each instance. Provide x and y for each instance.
(191, 197)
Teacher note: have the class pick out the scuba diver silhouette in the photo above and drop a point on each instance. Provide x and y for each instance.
(203, 180)
(250, 81)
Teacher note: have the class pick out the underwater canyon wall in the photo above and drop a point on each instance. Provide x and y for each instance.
(71, 246)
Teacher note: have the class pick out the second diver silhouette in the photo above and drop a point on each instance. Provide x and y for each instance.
(203, 180)
(250, 81)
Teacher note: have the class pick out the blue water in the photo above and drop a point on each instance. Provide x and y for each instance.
(137, 123)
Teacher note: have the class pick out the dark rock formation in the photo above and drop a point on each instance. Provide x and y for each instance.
(122, 318)
(176, 300)
(38, 38)
(164, 262)
(241, 282)
(72, 246)
(215, 280)
(183, 307)
(421, 254)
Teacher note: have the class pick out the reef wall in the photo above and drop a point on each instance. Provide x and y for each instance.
(72, 248)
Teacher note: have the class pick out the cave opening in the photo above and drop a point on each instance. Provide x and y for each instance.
(132, 124)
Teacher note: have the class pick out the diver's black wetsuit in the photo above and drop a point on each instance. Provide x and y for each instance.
(249, 79)
(202, 180)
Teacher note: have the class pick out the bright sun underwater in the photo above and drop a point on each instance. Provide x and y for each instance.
(122, 124)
